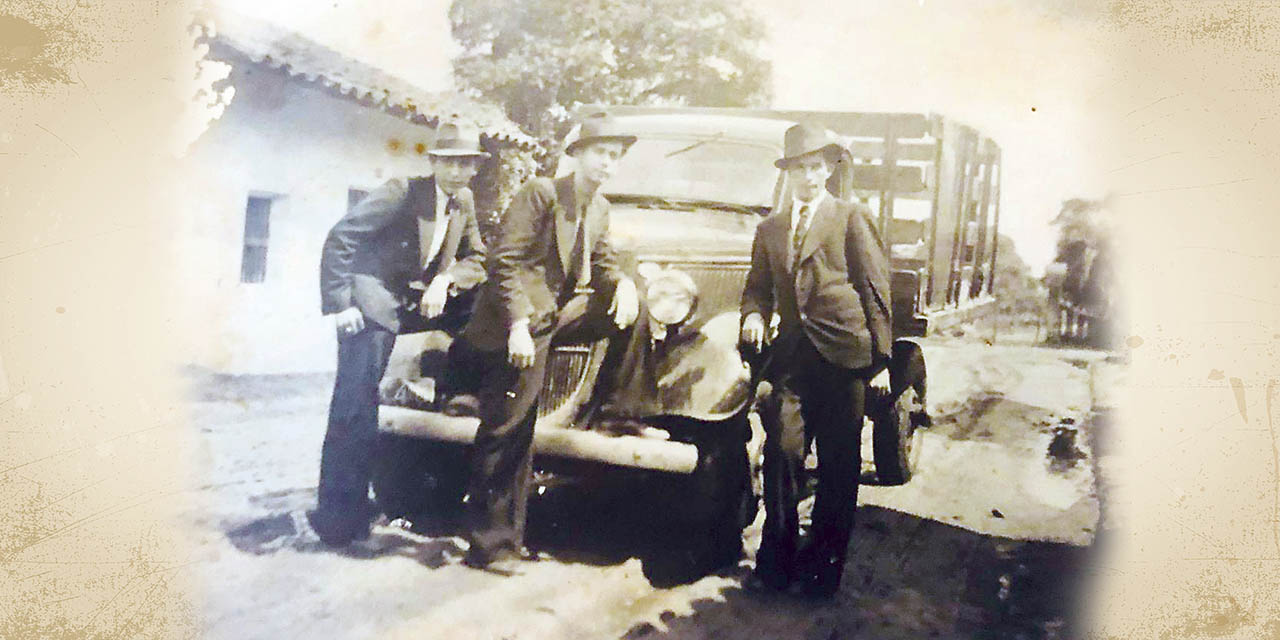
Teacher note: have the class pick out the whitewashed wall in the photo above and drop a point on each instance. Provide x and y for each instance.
(282, 138)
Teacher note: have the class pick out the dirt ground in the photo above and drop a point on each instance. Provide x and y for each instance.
(994, 537)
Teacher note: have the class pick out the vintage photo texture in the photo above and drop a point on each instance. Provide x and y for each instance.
(1081, 190)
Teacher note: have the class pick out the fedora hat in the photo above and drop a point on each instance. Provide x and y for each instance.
(597, 127)
(802, 140)
(457, 138)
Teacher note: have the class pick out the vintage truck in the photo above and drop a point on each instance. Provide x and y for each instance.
(684, 206)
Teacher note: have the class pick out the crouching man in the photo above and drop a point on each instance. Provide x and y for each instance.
(553, 279)
(405, 259)
(818, 264)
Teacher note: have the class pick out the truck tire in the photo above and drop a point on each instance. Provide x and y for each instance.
(417, 479)
(895, 440)
(731, 505)
(708, 509)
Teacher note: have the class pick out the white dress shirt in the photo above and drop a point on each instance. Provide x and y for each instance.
(796, 204)
(437, 233)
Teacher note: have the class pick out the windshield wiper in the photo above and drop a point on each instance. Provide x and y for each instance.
(743, 208)
(726, 206)
(695, 145)
(684, 204)
(648, 202)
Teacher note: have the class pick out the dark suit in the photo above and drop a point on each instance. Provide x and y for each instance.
(370, 258)
(534, 273)
(834, 334)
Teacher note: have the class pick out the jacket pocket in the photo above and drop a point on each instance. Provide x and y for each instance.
(841, 303)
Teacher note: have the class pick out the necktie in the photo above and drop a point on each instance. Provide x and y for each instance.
(582, 255)
(797, 237)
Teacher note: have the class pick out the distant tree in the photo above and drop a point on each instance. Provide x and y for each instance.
(1080, 221)
(1020, 296)
(1084, 252)
(541, 59)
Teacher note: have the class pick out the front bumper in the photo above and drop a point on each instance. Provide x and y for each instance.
(638, 452)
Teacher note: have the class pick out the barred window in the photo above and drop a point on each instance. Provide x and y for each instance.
(257, 226)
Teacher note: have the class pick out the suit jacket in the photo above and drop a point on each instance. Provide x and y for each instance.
(372, 254)
(531, 270)
(838, 295)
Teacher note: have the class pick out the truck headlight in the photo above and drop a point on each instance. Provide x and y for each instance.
(671, 294)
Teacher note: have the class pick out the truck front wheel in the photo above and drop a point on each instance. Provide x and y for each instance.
(895, 439)
(709, 508)
(419, 480)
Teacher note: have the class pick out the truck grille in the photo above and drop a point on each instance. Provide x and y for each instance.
(566, 388)
(572, 370)
(719, 282)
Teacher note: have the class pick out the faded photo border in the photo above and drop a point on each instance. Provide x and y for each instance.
(95, 456)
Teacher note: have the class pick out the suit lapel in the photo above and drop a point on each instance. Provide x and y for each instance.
(425, 219)
(566, 201)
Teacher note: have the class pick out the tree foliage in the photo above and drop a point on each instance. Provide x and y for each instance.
(1084, 254)
(496, 183)
(1080, 221)
(541, 59)
(1020, 295)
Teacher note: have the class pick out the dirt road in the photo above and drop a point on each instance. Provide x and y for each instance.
(991, 539)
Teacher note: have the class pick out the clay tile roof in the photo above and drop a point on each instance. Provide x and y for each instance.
(307, 60)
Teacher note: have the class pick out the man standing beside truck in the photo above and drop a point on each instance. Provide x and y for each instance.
(553, 279)
(820, 267)
(406, 258)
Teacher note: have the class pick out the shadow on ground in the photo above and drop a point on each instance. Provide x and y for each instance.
(597, 521)
(908, 577)
(285, 530)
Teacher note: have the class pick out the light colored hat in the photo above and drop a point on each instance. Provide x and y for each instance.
(597, 127)
(457, 138)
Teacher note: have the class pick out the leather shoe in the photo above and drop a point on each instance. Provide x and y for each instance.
(463, 404)
(325, 530)
(503, 564)
(821, 578)
(765, 582)
(819, 589)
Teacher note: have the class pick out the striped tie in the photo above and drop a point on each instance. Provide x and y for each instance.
(797, 237)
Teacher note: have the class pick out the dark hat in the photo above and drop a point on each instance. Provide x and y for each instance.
(597, 127)
(457, 138)
(802, 140)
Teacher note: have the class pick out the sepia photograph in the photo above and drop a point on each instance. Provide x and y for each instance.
(618, 319)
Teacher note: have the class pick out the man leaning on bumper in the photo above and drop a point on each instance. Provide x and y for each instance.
(405, 259)
(553, 279)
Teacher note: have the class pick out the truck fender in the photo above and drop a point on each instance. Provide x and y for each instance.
(700, 374)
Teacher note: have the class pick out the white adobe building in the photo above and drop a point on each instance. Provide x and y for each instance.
(307, 132)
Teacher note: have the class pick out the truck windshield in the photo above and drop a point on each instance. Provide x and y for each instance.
(704, 169)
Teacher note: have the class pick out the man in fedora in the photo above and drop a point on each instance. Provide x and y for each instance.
(817, 264)
(553, 279)
(404, 259)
